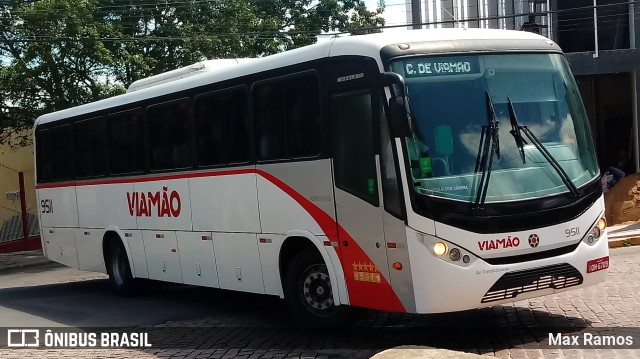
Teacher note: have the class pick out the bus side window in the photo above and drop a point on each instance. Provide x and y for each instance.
(126, 142)
(44, 147)
(63, 155)
(269, 121)
(391, 188)
(91, 148)
(170, 134)
(303, 117)
(237, 127)
(352, 123)
(222, 127)
(287, 117)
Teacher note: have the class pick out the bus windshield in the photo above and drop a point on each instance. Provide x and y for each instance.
(453, 98)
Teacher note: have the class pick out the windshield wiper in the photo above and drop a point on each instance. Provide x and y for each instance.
(489, 144)
(516, 128)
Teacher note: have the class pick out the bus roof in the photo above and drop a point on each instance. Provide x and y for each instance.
(440, 40)
(184, 72)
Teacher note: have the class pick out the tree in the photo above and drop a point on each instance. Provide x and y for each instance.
(61, 53)
(180, 33)
(45, 66)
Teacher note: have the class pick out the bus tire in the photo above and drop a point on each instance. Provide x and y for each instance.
(120, 277)
(307, 290)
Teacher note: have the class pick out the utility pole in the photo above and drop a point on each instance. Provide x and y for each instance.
(416, 14)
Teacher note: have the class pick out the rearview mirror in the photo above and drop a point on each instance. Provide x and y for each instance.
(398, 119)
(398, 108)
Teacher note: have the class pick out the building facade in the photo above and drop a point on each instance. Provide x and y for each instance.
(599, 39)
(12, 162)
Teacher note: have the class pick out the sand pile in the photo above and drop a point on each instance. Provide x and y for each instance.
(622, 202)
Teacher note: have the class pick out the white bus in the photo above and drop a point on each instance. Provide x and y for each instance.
(420, 171)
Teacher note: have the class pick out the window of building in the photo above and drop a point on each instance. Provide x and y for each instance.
(576, 29)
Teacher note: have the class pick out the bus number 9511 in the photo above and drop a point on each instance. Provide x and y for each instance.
(570, 232)
(46, 205)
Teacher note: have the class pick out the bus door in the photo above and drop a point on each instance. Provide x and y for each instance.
(359, 213)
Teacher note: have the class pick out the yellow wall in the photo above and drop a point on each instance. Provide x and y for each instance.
(12, 162)
(20, 159)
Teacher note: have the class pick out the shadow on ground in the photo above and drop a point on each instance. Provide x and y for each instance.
(178, 317)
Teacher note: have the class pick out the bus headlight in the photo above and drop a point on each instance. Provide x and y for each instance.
(440, 248)
(602, 224)
(596, 232)
(445, 250)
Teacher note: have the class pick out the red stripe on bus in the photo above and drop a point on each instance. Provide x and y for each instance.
(375, 294)
(145, 179)
(361, 293)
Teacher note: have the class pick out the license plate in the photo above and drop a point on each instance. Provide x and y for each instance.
(595, 265)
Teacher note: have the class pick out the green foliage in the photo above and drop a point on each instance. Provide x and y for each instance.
(55, 54)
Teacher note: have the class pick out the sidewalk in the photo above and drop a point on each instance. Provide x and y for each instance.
(624, 235)
(22, 259)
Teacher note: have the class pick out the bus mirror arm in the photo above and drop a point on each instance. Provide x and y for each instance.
(398, 113)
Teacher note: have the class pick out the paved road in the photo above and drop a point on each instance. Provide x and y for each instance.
(199, 322)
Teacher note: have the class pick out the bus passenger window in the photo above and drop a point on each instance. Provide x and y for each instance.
(126, 142)
(44, 148)
(303, 117)
(222, 128)
(64, 153)
(269, 116)
(91, 148)
(287, 118)
(170, 133)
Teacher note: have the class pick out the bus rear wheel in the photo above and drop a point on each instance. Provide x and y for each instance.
(118, 269)
(308, 291)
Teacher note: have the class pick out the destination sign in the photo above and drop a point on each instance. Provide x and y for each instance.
(441, 66)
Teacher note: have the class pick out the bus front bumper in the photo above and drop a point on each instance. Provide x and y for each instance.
(441, 286)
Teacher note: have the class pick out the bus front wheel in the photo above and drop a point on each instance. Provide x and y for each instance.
(118, 269)
(308, 291)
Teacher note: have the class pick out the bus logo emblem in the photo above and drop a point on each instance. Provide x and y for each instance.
(534, 240)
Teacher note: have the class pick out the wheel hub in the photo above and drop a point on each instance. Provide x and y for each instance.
(317, 290)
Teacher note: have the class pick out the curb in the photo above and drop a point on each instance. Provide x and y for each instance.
(624, 242)
(634, 241)
(617, 242)
(24, 265)
(20, 260)
(418, 352)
